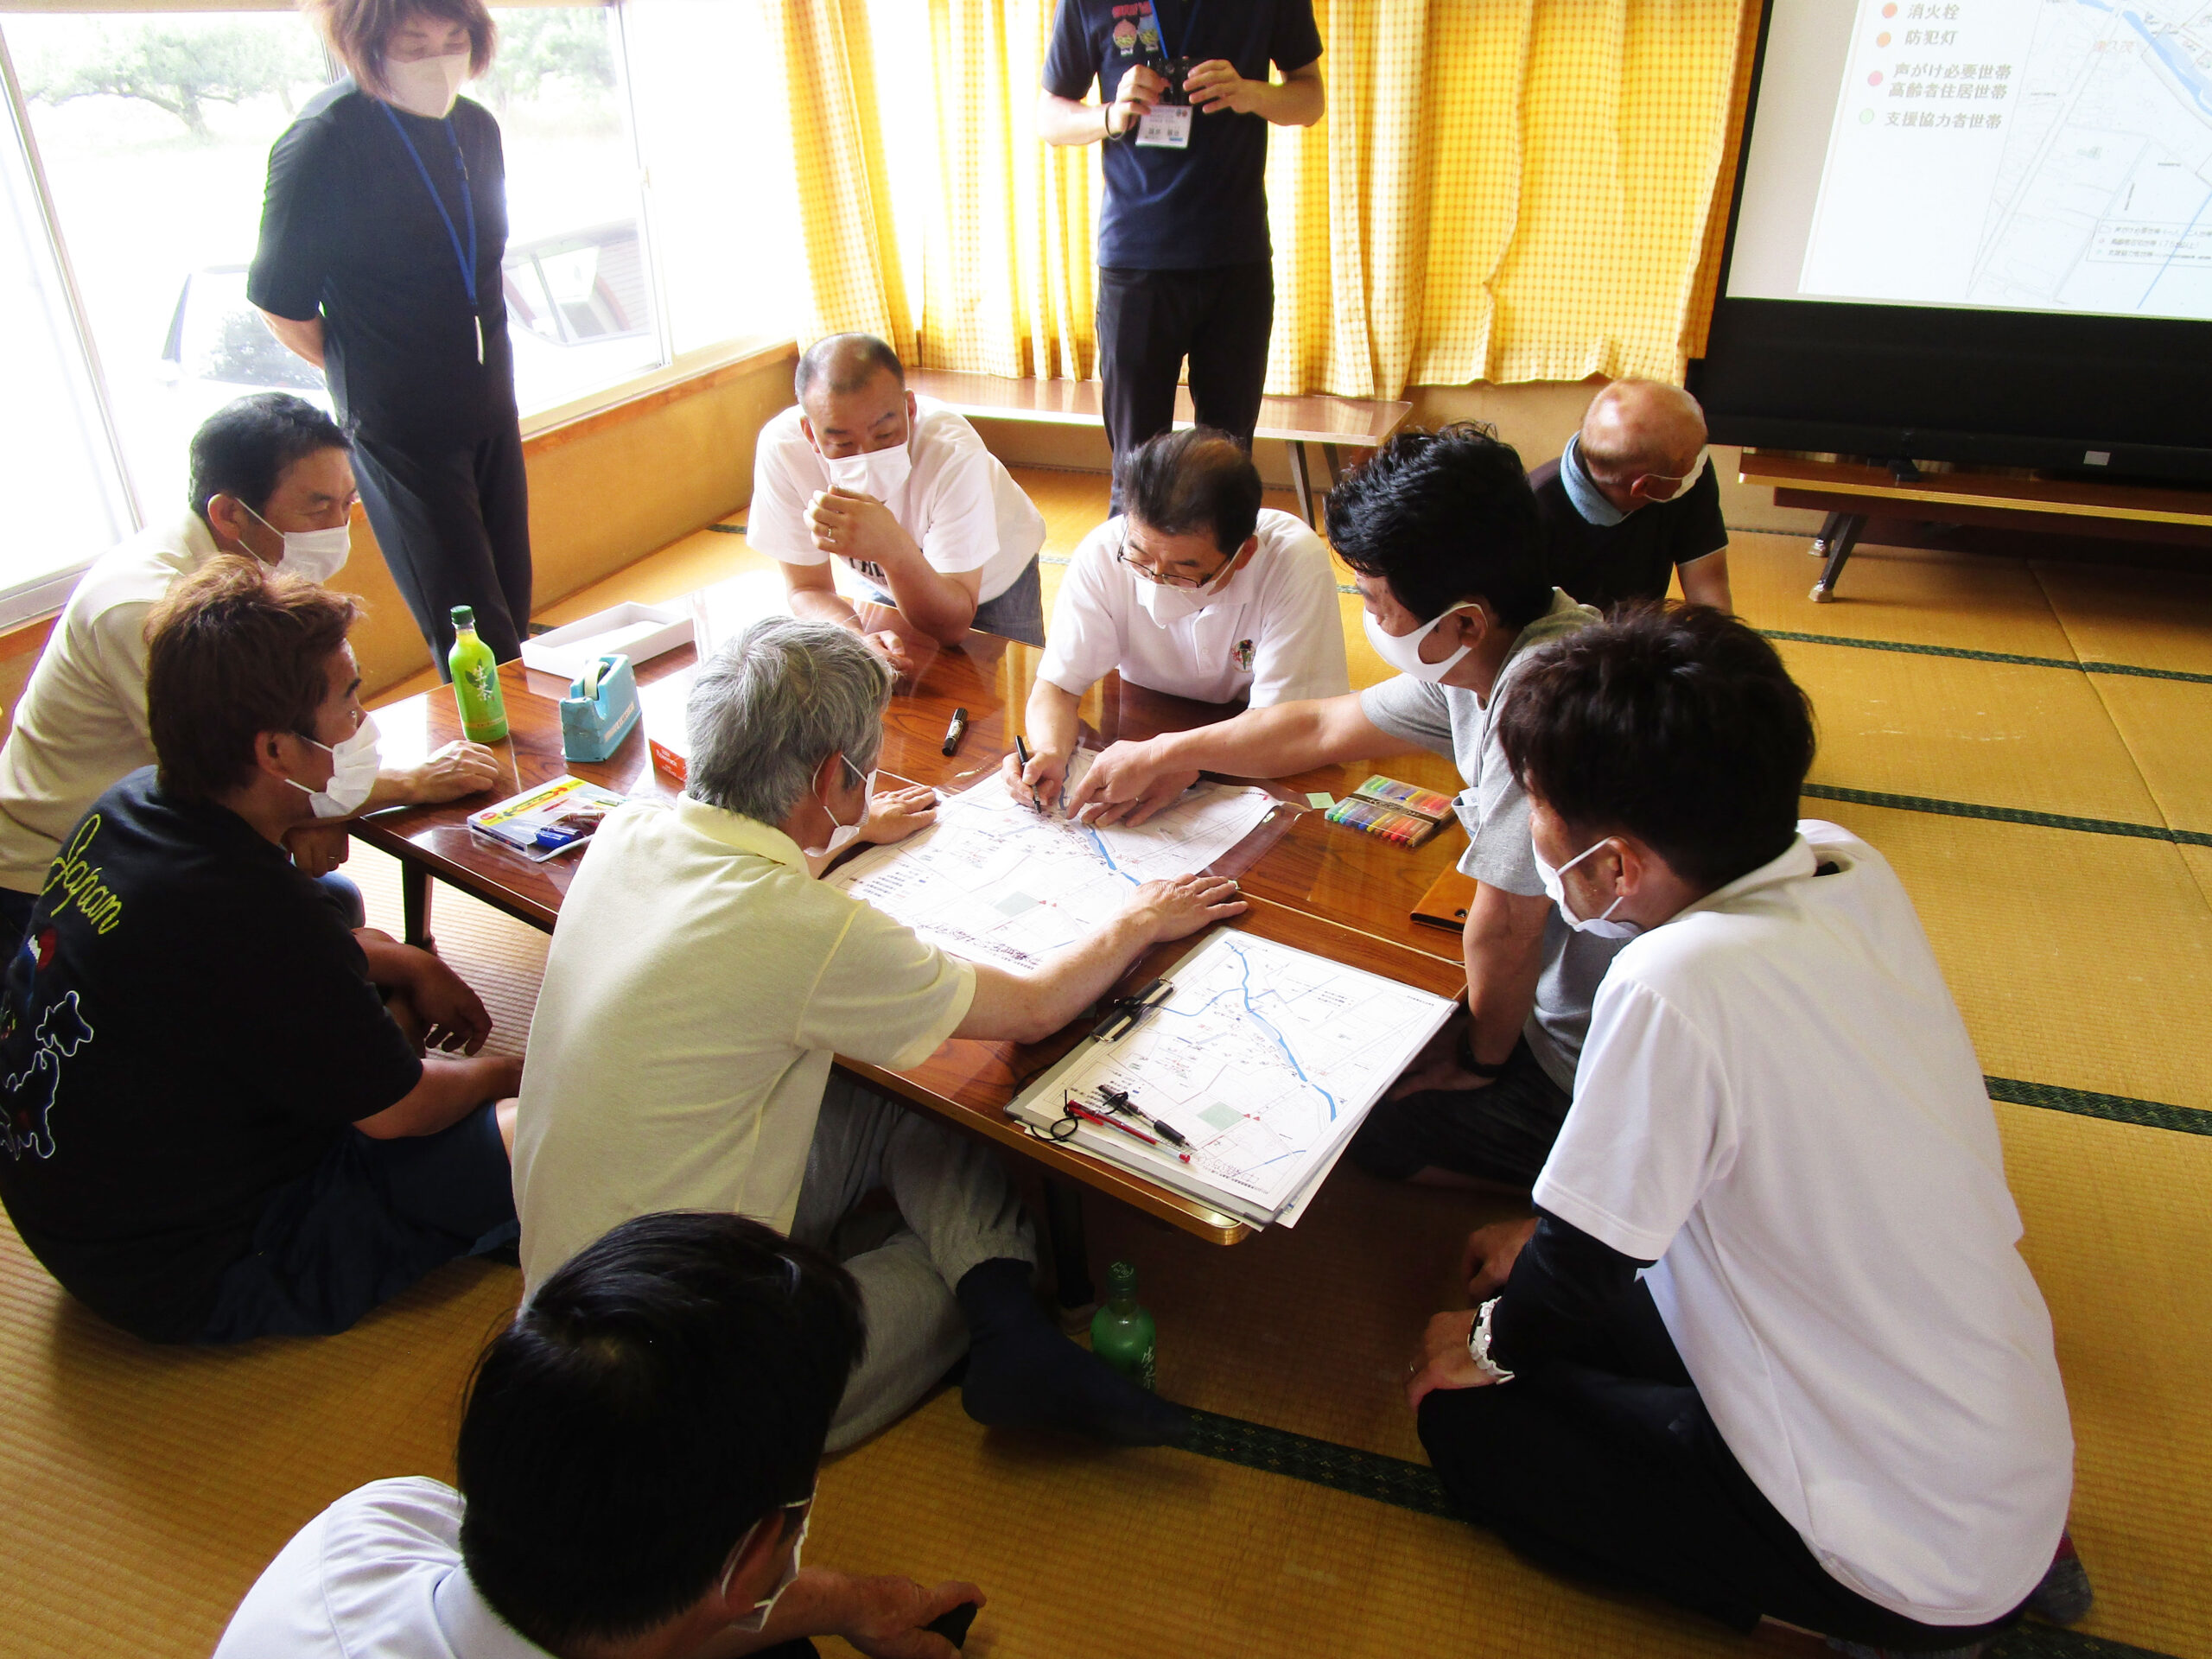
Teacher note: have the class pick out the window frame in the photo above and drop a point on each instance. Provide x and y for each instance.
(43, 595)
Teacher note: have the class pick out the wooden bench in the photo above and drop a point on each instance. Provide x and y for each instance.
(1335, 423)
(1851, 493)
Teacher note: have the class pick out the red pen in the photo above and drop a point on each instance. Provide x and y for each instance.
(1089, 1116)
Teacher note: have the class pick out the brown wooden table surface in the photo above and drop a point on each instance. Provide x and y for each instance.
(1318, 886)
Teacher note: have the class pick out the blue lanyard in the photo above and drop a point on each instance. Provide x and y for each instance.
(1190, 20)
(466, 261)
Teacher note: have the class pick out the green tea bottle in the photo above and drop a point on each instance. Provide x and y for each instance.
(1122, 1332)
(476, 682)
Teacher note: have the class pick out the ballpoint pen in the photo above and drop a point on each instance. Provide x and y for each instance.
(1135, 1134)
(1118, 1100)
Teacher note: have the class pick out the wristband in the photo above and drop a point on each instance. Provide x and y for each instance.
(1469, 1063)
(1478, 1345)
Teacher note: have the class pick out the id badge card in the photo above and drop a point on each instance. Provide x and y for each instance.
(1165, 126)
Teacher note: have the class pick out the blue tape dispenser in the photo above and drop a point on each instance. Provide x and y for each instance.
(600, 709)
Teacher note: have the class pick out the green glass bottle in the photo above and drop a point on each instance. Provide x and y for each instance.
(1122, 1332)
(476, 682)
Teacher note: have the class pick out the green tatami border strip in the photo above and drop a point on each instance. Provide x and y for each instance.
(2032, 1641)
(1415, 1486)
(2008, 815)
(2114, 1109)
(1320, 1463)
(727, 530)
(2078, 665)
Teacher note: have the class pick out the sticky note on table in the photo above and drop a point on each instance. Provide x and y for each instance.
(1319, 800)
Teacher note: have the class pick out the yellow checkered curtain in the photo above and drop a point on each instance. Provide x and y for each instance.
(1624, 119)
(1699, 319)
(1505, 190)
(1502, 190)
(844, 191)
(1391, 216)
(1006, 263)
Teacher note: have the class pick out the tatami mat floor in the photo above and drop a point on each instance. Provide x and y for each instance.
(2054, 826)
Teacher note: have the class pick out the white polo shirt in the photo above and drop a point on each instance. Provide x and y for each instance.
(699, 981)
(1273, 633)
(80, 723)
(1778, 1103)
(959, 504)
(377, 1575)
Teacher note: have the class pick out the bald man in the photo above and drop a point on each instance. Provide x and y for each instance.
(866, 491)
(1634, 500)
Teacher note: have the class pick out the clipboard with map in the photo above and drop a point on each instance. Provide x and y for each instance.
(1263, 1058)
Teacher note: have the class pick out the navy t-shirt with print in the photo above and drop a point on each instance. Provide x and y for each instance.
(187, 1028)
(1181, 209)
(1605, 565)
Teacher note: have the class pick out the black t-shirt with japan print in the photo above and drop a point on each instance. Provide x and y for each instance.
(187, 1026)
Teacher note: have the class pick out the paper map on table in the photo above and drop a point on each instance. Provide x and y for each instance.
(996, 881)
(1264, 1059)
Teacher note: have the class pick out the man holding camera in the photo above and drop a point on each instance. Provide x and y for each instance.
(1185, 268)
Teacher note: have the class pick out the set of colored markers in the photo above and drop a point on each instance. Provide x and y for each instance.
(1402, 814)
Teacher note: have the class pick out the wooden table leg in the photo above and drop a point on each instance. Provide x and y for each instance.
(1841, 539)
(1070, 1248)
(415, 901)
(1301, 481)
(1332, 459)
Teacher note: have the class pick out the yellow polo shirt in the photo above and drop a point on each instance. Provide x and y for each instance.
(81, 724)
(700, 980)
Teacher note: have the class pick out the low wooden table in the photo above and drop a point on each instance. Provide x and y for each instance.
(1315, 885)
(1853, 492)
(1335, 423)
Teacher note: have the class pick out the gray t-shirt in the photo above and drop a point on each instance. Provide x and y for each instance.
(1495, 809)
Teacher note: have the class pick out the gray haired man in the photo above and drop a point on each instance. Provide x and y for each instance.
(701, 980)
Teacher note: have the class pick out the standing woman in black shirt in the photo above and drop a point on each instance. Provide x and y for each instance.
(382, 235)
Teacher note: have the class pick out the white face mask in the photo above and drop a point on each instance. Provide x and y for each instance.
(1402, 650)
(880, 473)
(1600, 927)
(841, 835)
(353, 773)
(427, 86)
(317, 555)
(758, 1618)
(1164, 605)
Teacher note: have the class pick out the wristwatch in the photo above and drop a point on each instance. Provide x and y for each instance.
(1469, 1063)
(1478, 1345)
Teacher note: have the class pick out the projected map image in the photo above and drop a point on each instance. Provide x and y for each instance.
(2025, 154)
(2101, 200)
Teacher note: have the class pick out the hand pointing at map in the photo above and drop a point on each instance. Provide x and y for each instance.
(1126, 786)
